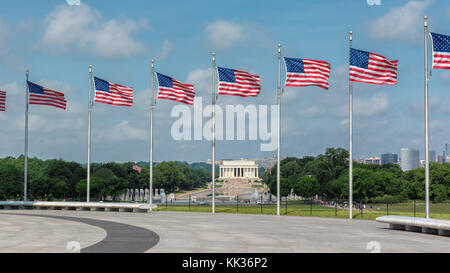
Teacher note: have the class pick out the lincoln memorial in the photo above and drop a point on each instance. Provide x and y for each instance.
(238, 169)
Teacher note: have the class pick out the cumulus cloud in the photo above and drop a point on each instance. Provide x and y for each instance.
(123, 131)
(166, 49)
(81, 28)
(312, 111)
(201, 79)
(225, 34)
(377, 104)
(401, 23)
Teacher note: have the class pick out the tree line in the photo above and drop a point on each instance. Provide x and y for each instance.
(327, 175)
(56, 179)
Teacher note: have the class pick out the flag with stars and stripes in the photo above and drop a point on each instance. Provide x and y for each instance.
(441, 51)
(372, 68)
(2, 100)
(136, 168)
(305, 72)
(111, 93)
(238, 83)
(44, 96)
(171, 89)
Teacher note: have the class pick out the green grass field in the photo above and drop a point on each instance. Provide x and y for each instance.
(439, 211)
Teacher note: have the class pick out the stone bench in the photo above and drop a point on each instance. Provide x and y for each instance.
(432, 226)
(91, 206)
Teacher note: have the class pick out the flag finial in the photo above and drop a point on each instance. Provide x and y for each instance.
(425, 22)
(90, 68)
(279, 48)
(214, 56)
(351, 35)
(153, 63)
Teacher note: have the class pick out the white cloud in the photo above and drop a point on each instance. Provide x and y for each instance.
(400, 24)
(225, 34)
(201, 79)
(312, 111)
(122, 132)
(81, 28)
(377, 104)
(369, 107)
(167, 48)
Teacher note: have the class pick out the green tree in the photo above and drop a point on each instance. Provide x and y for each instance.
(285, 187)
(307, 187)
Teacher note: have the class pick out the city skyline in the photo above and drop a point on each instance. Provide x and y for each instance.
(58, 51)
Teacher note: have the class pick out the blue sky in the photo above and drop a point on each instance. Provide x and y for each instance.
(57, 42)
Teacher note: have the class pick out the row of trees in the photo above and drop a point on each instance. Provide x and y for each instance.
(58, 179)
(327, 176)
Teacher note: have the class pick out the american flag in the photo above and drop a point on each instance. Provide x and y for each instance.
(304, 72)
(137, 168)
(238, 83)
(2, 100)
(441, 51)
(111, 93)
(171, 89)
(44, 96)
(372, 68)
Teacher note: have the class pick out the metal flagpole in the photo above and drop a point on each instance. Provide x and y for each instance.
(278, 129)
(213, 134)
(427, 166)
(152, 105)
(89, 137)
(350, 176)
(25, 175)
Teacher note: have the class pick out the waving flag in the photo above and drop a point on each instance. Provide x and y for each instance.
(43, 96)
(2, 100)
(304, 72)
(114, 94)
(238, 83)
(372, 68)
(171, 89)
(441, 51)
(137, 168)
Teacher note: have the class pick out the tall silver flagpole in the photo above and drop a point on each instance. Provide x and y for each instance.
(427, 163)
(25, 174)
(152, 105)
(213, 165)
(350, 176)
(89, 137)
(279, 130)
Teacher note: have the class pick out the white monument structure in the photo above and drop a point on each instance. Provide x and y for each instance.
(238, 169)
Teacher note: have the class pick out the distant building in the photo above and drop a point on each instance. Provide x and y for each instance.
(447, 159)
(389, 158)
(409, 159)
(243, 169)
(372, 160)
(446, 153)
(441, 159)
(432, 156)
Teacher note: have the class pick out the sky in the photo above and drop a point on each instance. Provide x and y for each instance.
(57, 41)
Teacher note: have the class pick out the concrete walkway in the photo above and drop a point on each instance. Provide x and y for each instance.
(222, 232)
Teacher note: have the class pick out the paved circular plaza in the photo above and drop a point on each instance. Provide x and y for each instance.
(69, 231)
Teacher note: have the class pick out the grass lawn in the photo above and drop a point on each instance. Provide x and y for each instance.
(440, 211)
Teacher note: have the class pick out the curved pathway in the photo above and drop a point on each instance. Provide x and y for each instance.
(120, 238)
(185, 232)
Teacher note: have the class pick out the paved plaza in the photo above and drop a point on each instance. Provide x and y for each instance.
(95, 231)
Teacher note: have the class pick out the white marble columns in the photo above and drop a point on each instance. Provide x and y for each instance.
(238, 172)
